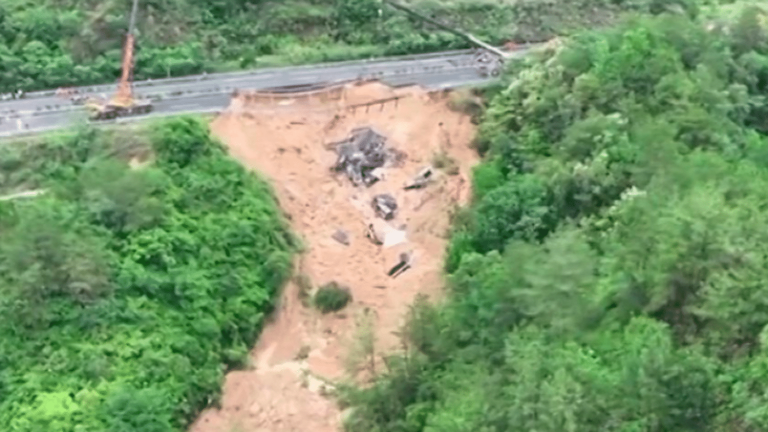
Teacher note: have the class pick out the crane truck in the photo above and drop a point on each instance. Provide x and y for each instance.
(123, 102)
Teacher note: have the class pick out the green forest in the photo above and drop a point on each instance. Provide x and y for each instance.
(50, 43)
(611, 274)
(606, 277)
(126, 293)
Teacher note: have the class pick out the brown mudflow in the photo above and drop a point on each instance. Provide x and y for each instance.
(301, 350)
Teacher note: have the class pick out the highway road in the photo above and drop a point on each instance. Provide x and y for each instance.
(205, 93)
(61, 119)
(252, 79)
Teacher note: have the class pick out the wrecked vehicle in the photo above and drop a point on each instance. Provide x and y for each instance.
(385, 206)
(361, 155)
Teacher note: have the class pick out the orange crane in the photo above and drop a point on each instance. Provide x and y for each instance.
(123, 102)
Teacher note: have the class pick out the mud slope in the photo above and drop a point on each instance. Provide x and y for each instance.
(284, 140)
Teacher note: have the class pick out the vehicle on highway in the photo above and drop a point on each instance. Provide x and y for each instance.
(488, 63)
(124, 102)
(72, 94)
(101, 109)
(18, 94)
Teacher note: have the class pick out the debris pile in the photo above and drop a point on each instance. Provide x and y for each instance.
(385, 206)
(362, 154)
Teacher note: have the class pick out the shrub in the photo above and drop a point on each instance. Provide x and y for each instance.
(332, 297)
(441, 160)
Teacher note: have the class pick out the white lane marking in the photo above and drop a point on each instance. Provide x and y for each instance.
(185, 105)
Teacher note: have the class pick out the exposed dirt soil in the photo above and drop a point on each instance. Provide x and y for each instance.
(301, 350)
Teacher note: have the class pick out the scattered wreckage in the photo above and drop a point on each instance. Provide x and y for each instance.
(362, 155)
(341, 236)
(372, 235)
(405, 263)
(385, 206)
(421, 179)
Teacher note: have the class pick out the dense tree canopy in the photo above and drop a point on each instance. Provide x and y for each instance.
(50, 43)
(608, 277)
(127, 292)
(611, 273)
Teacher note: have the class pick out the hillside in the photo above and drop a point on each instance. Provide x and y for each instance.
(51, 43)
(128, 289)
(587, 256)
(610, 274)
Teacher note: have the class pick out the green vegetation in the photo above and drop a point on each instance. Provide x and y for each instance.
(361, 356)
(332, 297)
(611, 274)
(51, 43)
(126, 293)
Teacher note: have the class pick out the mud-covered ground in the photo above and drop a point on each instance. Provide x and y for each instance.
(301, 351)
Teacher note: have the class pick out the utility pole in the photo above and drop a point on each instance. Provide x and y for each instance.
(132, 25)
(464, 35)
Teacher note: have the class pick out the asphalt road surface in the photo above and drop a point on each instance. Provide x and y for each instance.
(212, 92)
(255, 79)
(59, 119)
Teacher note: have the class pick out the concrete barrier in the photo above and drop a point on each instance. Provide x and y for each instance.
(321, 93)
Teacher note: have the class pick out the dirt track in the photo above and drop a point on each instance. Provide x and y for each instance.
(284, 141)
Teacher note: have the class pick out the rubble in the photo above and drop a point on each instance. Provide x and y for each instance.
(362, 155)
(385, 206)
(421, 179)
(370, 233)
(341, 236)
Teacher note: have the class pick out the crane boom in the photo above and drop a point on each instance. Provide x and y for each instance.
(124, 94)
